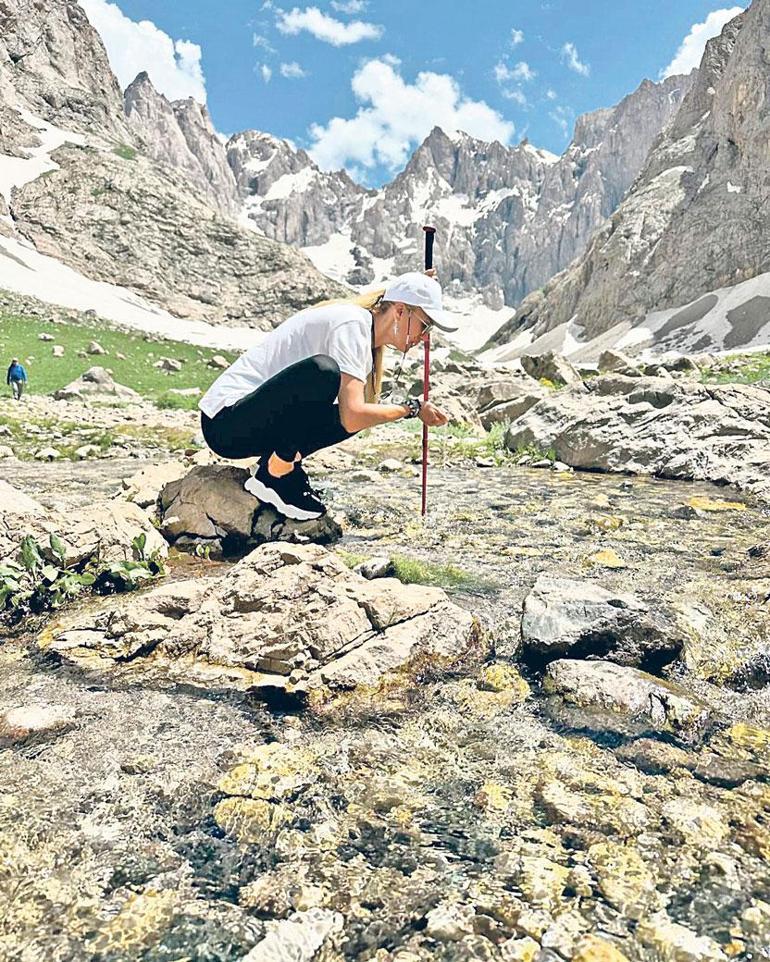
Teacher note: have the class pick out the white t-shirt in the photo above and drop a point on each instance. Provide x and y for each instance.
(340, 331)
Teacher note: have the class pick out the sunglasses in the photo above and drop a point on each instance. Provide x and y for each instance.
(426, 325)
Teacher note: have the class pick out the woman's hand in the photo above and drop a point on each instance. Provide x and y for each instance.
(432, 416)
(431, 272)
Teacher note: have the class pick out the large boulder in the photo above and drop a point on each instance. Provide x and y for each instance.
(96, 381)
(578, 619)
(209, 507)
(286, 618)
(551, 366)
(618, 688)
(646, 425)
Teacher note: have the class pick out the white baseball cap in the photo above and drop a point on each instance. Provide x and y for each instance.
(419, 290)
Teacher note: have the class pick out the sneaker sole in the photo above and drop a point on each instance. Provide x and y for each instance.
(269, 496)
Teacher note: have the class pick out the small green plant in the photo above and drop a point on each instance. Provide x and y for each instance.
(125, 575)
(125, 151)
(534, 452)
(38, 582)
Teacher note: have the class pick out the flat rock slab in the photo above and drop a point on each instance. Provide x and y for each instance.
(286, 618)
(209, 507)
(103, 530)
(648, 425)
(580, 618)
(601, 684)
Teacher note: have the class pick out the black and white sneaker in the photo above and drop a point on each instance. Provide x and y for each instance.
(291, 494)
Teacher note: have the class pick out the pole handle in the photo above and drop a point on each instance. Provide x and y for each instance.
(430, 236)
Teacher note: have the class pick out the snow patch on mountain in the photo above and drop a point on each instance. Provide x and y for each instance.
(17, 171)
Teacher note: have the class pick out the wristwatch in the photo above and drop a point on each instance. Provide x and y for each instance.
(415, 406)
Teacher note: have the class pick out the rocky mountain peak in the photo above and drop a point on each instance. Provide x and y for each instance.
(181, 135)
(53, 63)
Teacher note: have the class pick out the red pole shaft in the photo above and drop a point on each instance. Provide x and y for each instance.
(425, 392)
(430, 233)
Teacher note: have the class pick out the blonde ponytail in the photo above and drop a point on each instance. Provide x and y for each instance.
(370, 301)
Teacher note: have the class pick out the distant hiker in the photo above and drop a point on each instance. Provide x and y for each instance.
(315, 381)
(17, 378)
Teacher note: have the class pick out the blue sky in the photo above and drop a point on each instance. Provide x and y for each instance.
(360, 83)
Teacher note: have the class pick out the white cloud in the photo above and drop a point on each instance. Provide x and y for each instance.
(521, 72)
(262, 43)
(517, 95)
(691, 48)
(569, 55)
(550, 94)
(561, 117)
(326, 28)
(174, 66)
(395, 115)
(267, 72)
(517, 37)
(292, 71)
(348, 6)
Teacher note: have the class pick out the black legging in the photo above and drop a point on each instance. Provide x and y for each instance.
(292, 412)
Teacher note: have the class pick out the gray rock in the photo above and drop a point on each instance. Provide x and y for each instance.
(210, 506)
(286, 617)
(376, 568)
(619, 688)
(219, 362)
(501, 401)
(682, 429)
(298, 938)
(168, 364)
(102, 530)
(87, 451)
(57, 350)
(554, 367)
(28, 722)
(580, 619)
(45, 337)
(94, 347)
(94, 382)
(614, 362)
(6, 452)
(47, 454)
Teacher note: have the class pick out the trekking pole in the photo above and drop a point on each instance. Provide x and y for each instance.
(430, 234)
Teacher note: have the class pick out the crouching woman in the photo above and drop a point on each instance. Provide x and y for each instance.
(315, 381)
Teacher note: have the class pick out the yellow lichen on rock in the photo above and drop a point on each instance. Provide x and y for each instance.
(272, 771)
(703, 503)
(591, 948)
(250, 820)
(606, 558)
(624, 879)
(503, 678)
(139, 924)
(493, 796)
(745, 742)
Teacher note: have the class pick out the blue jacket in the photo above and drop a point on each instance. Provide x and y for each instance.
(16, 372)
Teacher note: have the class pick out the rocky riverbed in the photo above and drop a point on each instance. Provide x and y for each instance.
(523, 803)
